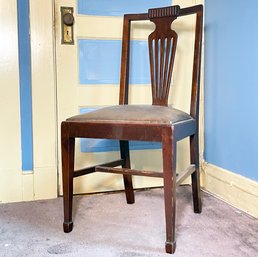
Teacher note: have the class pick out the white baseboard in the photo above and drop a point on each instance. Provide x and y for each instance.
(234, 189)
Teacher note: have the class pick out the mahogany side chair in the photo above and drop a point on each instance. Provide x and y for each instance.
(157, 122)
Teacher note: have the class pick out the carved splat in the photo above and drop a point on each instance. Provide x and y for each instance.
(162, 48)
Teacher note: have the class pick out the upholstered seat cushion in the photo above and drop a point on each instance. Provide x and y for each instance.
(134, 114)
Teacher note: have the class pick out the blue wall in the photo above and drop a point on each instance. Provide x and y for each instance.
(118, 7)
(25, 84)
(231, 85)
(99, 62)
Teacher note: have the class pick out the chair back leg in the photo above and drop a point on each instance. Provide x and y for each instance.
(194, 155)
(125, 155)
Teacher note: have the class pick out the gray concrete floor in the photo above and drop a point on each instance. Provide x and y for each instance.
(104, 225)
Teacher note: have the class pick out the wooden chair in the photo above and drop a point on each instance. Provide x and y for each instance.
(156, 122)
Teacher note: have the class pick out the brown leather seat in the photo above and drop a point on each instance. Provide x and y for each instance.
(131, 114)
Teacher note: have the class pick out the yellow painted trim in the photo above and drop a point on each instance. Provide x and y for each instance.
(43, 99)
(10, 138)
(16, 186)
(234, 189)
(10, 186)
(43, 84)
(45, 183)
(27, 187)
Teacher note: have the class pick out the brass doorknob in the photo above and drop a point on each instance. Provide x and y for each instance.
(68, 19)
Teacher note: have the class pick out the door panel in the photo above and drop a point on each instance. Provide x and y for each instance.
(83, 84)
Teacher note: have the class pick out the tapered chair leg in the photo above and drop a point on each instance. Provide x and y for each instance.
(197, 201)
(67, 145)
(169, 166)
(128, 183)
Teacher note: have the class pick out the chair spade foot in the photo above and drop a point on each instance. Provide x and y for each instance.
(198, 209)
(68, 226)
(170, 247)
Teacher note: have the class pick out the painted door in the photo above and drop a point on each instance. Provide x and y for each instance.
(88, 77)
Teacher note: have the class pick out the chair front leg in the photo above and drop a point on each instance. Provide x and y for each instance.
(197, 201)
(169, 172)
(67, 145)
(128, 183)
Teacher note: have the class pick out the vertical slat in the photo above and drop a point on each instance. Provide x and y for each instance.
(151, 43)
(161, 64)
(167, 59)
(156, 65)
(162, 56)
(171, 64)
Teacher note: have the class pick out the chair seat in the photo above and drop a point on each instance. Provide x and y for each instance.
(134, 114)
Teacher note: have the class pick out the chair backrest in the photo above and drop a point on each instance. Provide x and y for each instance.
(162, 47)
